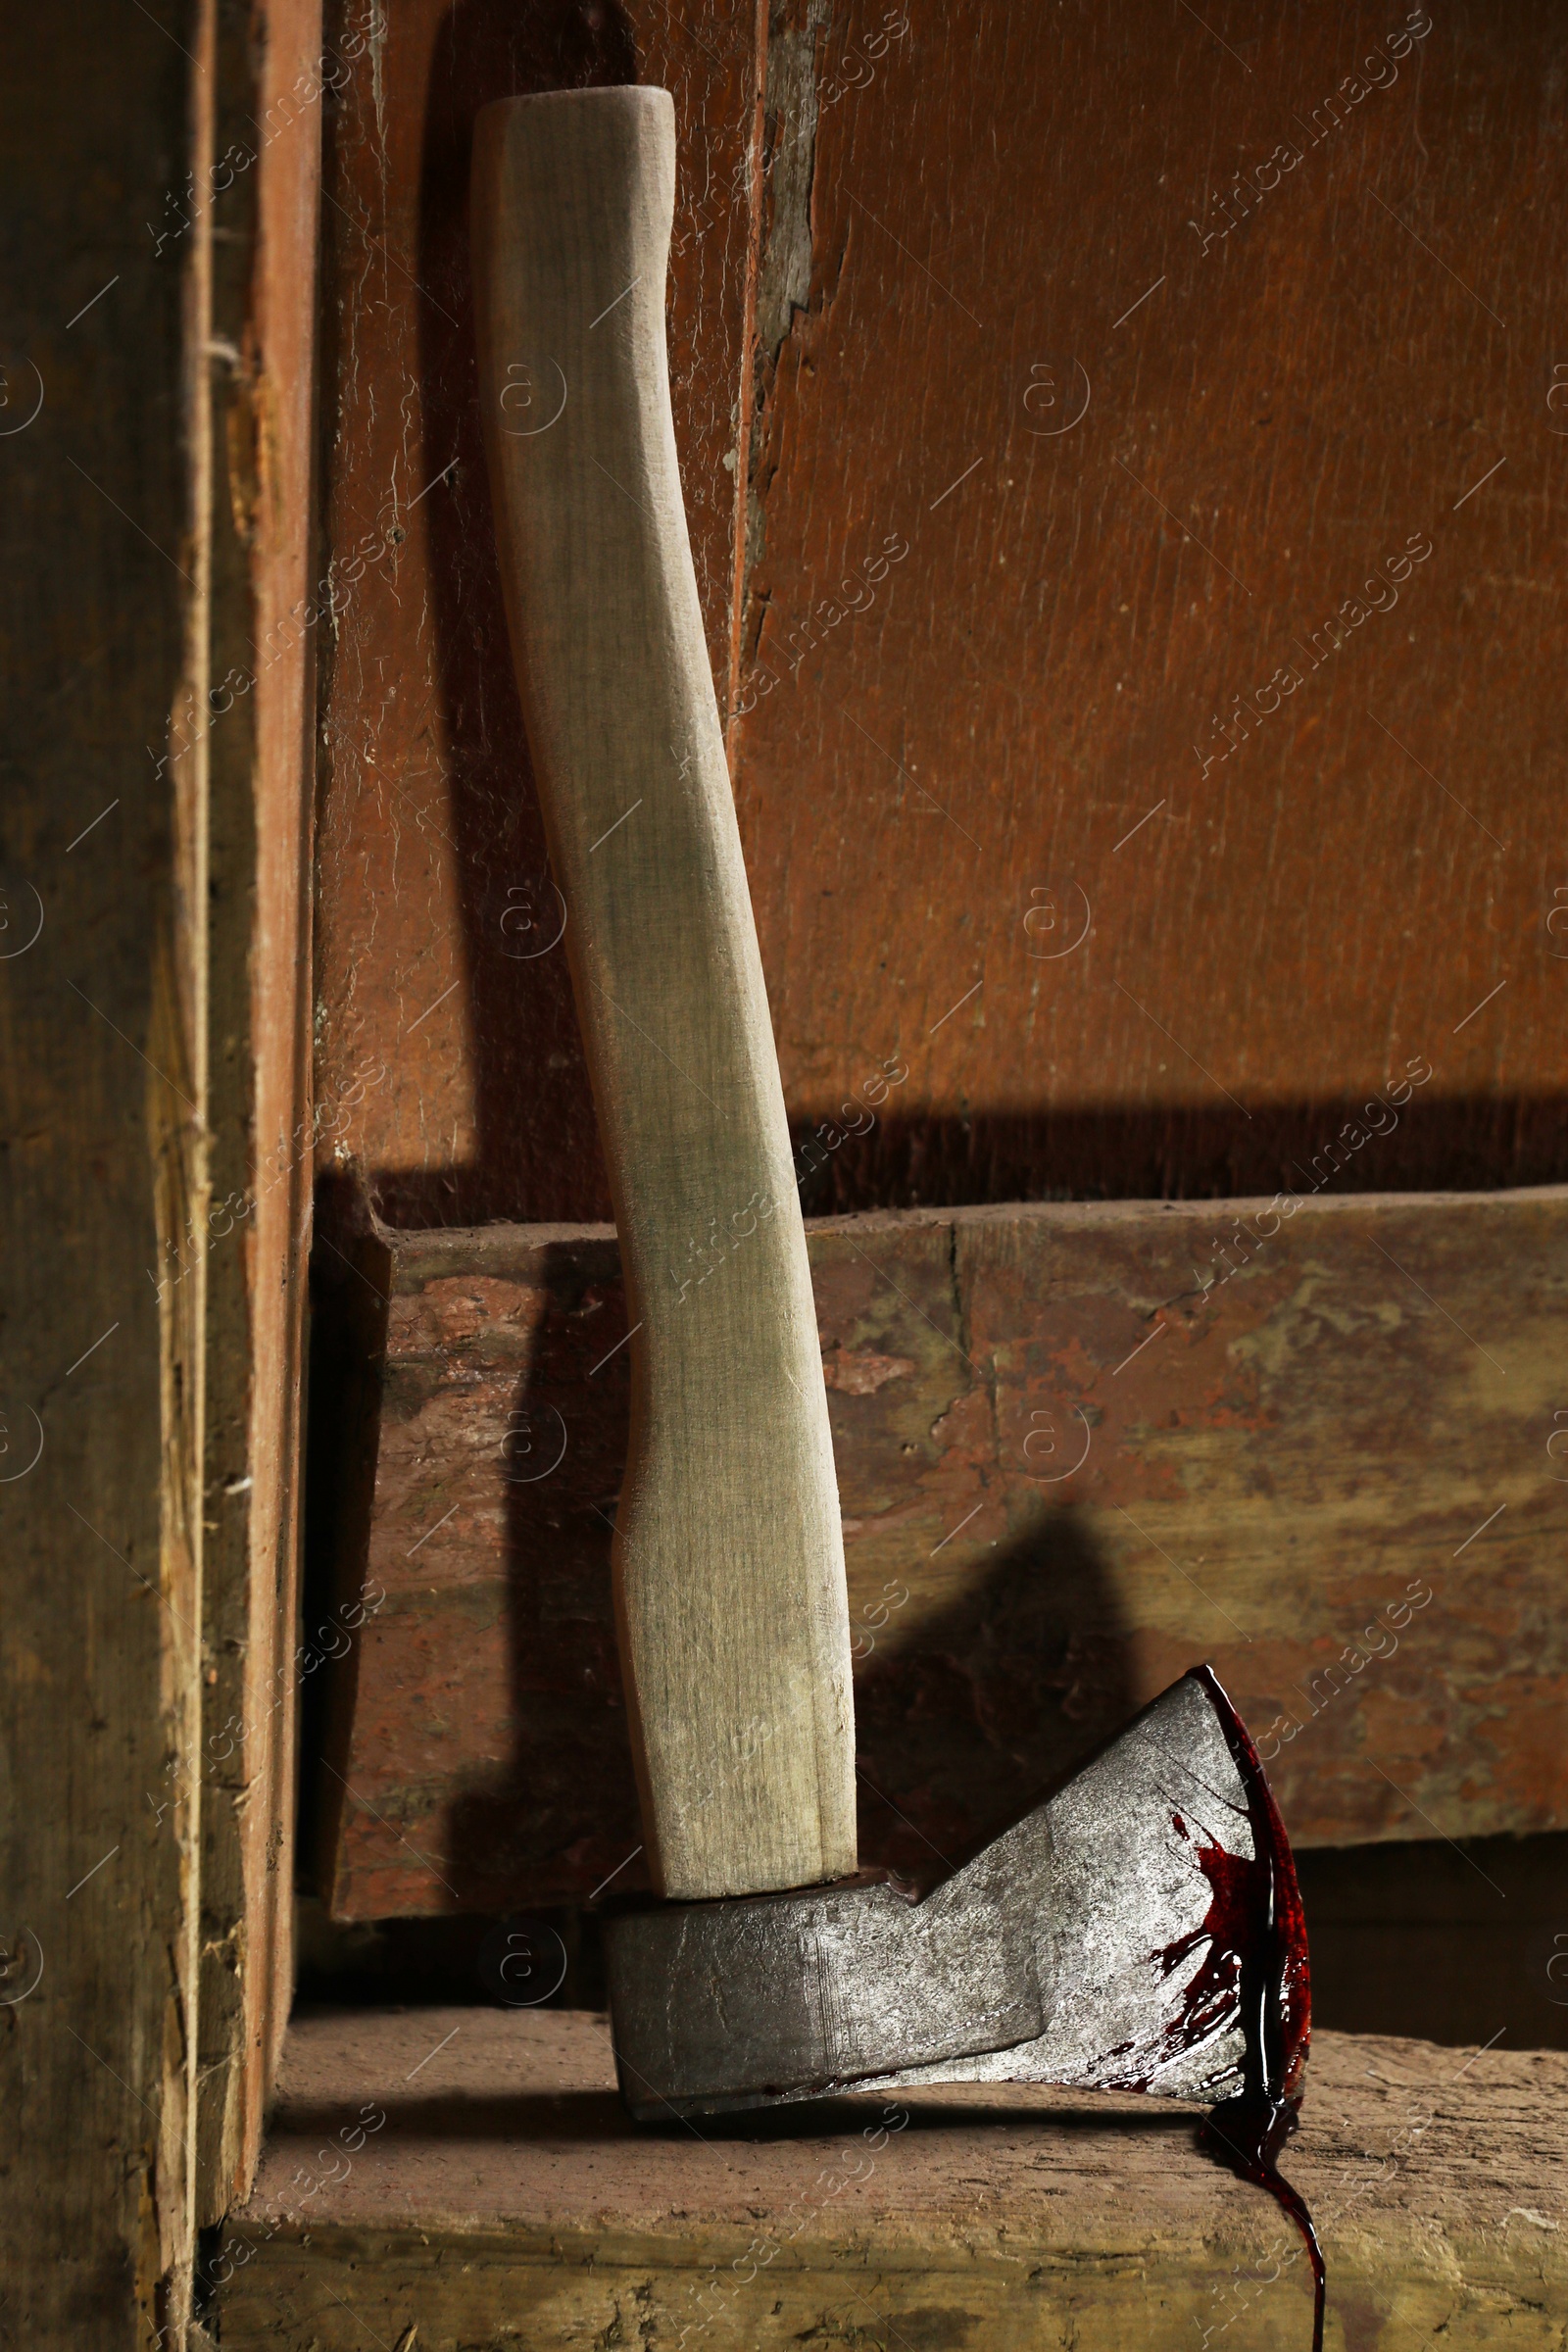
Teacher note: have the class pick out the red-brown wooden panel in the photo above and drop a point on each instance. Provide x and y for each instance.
(939, 791)
(978, 829)
(1079, 1449)
(449, 1055)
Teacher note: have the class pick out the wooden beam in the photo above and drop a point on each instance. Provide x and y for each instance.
(267, 614)
(156, 814)
(1078, 1447)
(105, 606)
(470, 2174)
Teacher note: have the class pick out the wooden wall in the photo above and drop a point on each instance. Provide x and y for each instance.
(1286, 408)
(1123, 470)
(904, 237)
(447, 1052)
(102, 1121)
(157, 436)
(1042, 474)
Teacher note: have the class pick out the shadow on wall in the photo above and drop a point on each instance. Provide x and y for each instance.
(968, 1718)
(1174, 1153)
(963, 1724)
(564, 1810)
(963, 1718)
(966, 1712)
(532, 1109)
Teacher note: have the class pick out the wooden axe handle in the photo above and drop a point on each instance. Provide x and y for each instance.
(728, 1557)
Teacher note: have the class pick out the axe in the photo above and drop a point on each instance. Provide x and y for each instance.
(1142, 1928)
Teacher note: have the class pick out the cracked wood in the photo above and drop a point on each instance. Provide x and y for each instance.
(1067, 1471)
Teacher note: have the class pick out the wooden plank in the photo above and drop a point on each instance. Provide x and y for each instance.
(261, 753)
(1075, 1455)
(1004, 777)
(157, 1182)
(1041, 664)
(471, 2175)
(104, 630)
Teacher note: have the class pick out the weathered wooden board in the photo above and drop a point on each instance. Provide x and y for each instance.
(102, 996)
(156, 425)
(990, 819)
(264, 212)
(1079, 1448)
(472, 2176)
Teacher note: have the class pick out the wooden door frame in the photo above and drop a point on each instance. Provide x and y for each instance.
(162, 184)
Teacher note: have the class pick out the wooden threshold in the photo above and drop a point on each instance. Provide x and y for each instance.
(506, 2199)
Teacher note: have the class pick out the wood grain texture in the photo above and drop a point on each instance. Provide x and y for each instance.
(727, 1555)
(951, 219)
(162, 217)
(1338, 1449)
(266, 200)
(506, 2199)
(103, 999)
(938, 790)
(437, 1021)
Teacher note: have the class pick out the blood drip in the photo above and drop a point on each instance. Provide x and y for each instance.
(1255, 1935)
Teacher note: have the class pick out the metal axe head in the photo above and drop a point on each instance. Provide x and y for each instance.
(1140, 1931)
